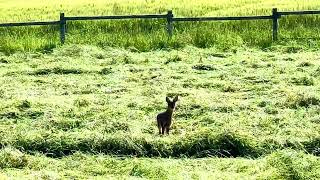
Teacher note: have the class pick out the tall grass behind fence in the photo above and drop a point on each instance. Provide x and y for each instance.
(224, 35)
(149, 34)
(301, 27)
(143, 35)
(37, 38)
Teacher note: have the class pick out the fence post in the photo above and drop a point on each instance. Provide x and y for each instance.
(170, 23)
(62, 28)
(275, 24)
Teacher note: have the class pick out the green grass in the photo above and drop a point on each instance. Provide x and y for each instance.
(244, 114)
(279, 165)
(248, 108)
(146, 35)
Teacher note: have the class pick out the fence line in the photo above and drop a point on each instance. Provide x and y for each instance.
(276, 15)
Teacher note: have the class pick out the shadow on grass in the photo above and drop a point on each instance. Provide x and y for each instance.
(56, 70)
(205, 143)
(60, 71)
(202, 145)
(313, 146)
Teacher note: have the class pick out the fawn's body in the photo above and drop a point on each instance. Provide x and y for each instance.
(164, 119)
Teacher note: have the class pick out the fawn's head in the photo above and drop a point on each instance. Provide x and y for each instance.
(172, 104)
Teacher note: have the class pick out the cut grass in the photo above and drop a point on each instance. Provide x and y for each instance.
(82, 98)
(96, 108)
(285, 164)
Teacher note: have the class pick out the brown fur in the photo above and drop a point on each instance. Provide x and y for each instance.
(164, 119)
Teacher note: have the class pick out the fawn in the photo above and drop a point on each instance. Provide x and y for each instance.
(164, 119)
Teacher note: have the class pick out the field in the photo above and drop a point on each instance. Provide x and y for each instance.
(249, 108)
(146, 35)
(83, 112)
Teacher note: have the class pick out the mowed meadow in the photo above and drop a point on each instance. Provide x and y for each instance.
(146, 35)
(83, 111)
(248, 108)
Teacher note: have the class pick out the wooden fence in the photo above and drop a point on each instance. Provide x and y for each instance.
(276, 15)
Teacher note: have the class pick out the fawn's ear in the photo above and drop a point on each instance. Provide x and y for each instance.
(168, 100)
(175, 99)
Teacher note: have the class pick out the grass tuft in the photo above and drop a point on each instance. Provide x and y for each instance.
(305, 81)
(204, 67)
(175, 58)
(12, 158)
(56, 70)
(301, 100)
(25, 104)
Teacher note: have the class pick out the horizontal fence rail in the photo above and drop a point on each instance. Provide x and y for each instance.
(298, 12)
(223, 18)
(30, 24)
(276, 15)
(81, 18)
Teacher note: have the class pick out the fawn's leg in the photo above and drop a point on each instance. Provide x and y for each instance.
(159, 127)
(167, 129)
(163, 129)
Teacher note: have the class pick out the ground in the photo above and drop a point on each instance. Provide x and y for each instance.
(85, 112)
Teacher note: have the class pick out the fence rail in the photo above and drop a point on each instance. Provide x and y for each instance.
(276, 15)
(298, 12)
(223, 18)
(150, 16)
(30, 24)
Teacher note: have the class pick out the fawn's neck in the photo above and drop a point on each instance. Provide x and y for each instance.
(169, 111)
